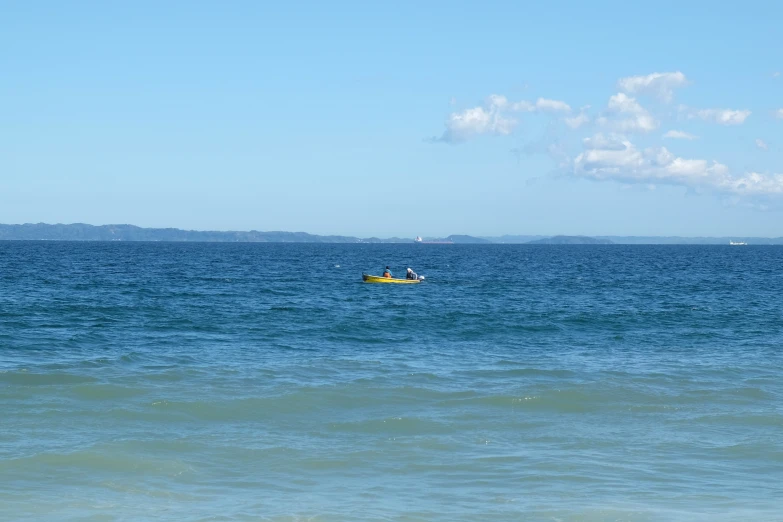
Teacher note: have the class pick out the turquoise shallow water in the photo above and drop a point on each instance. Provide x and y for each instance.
(266, 382)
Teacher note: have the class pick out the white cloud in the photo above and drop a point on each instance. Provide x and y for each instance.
(577, 121)
(605, 142)
(679, 135)
(719, 116)
(487, 119)
(523, 106)
(497, 100)
(494, 117)
(755, 184)
(639, 119)
(779, 114)
(761, 144)
(615, 158)
(623, 103)
(542, 104)
(661, 85)
(776, 74)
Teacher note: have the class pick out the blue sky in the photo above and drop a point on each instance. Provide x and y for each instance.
(396, 118)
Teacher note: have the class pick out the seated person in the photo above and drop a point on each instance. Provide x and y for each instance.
(412, 274)
(387, 273)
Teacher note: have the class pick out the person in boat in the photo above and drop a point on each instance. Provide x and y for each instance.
(412, 274)
(387, 273)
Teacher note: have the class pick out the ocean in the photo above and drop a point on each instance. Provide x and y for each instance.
(244, 382)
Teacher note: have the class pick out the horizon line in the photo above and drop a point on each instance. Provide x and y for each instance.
(482, 236)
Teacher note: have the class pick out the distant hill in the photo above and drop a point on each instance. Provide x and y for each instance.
(570, 240)
(513, 239)
(460, 239)
(83, 232)
(650, 240)
(679, 240)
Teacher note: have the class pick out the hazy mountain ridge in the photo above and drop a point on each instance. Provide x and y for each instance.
(571, 240)
(701, 240)
(85, 232)
(463, 239)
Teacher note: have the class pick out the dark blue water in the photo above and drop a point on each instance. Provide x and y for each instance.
(267, 382)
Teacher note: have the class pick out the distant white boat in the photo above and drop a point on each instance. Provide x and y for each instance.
(737, 243)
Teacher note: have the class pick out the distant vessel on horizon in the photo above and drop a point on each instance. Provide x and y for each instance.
(421, 241)
(737, 243)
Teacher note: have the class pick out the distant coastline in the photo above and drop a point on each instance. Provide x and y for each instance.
(571, 240)
(85, 232)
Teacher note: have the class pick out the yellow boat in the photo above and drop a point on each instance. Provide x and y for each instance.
(375, 279)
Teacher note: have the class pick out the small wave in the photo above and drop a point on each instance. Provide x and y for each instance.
(23, 378)
(105, 392)
(99, 459)
(495, 401)
(521, 372)
(393, 426)
(774, 420)
(131, 357)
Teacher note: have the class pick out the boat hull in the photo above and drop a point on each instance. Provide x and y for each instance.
(376, 279)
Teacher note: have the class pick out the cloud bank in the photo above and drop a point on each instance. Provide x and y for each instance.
(624, 114)
(679, 135)
(719, 116)
(609, 154)
(487, 119)
(660, 85)
(614, 158)
(495, 117)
